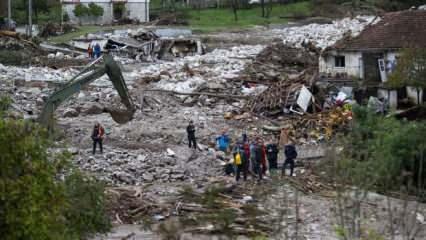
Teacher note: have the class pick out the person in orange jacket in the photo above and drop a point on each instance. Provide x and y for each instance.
(90, 51)
(97, 137)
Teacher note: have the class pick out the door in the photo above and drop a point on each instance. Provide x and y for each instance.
(371, 67)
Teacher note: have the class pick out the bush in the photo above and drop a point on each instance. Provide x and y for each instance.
(87, 214)
(34, 202)
(384, 154)
(31, 199)
(95, 10)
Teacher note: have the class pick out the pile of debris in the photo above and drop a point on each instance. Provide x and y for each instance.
(55, 29)
(311, 128)
(142, 45)
(16, 50)
(282, 96)
(324, 35)
(277, 61)
(285, 70)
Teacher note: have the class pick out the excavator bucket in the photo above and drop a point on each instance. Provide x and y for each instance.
(120, 116)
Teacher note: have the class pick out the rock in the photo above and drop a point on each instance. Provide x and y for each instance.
(170, 152)
(73, 150)
(81, 95)
(228, 115)
(159, 217)
(51, 56)
(141, 158)
(220, 155)
(39, 101)
(420, 218)
(110, 155)
(70, 112)
(80, 57)
(59, 55)
(124, 177)
(92, 109)
(33, 91)
(148, 177)
(177, 176)
(247, 199)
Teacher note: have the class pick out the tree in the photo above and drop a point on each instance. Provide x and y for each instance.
(95, 10)
(262, 5)
(34, 202)
(410, 70)
(234, 4)
(81, 10)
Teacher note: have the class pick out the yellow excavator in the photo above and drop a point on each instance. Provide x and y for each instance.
(88, 75)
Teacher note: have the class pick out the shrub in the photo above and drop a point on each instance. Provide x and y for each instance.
(34, 202)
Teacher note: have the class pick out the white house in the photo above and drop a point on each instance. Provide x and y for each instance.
(133, 9)
(371, 56)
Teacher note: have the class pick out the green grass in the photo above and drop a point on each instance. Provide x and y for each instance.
(82, 30)
(219, 19)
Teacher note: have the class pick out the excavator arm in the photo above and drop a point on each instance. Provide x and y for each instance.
(88, 75)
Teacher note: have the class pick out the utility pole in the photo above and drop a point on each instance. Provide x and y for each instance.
(9, 10)
(30, 18)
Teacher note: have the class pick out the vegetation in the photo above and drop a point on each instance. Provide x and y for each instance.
(410, 70)
(81, 10)
(384, 154)
(217, 19)
(95, 10)
(380, 154)
(34, 202)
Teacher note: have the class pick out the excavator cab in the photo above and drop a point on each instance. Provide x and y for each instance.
(85, 77)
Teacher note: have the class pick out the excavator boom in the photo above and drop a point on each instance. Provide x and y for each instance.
(88, 75)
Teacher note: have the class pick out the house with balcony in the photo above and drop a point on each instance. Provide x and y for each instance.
(114, 10)
(368, 59)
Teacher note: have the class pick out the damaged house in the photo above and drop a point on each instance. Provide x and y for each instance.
(367, 59)
(114, 10)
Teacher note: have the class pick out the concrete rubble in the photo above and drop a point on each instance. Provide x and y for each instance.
(324, 35)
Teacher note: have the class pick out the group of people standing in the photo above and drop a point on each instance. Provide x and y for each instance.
(94, 50)
(250, 156)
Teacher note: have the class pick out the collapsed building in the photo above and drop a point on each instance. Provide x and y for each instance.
(370, 58)
(143, 45)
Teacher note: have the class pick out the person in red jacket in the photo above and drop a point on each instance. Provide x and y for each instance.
(263, 157)
(97, 137)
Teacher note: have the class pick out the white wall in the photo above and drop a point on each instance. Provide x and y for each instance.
(137, 9)
(353, 64)
(104, 19)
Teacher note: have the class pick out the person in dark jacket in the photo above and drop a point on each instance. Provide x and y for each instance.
(240, 166)
(97, 137)
(290, 155)
(190, 130)
(272, 154)
(257, 158)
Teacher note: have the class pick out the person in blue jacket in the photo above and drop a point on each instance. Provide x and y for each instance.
(222, 142)
(97, 50)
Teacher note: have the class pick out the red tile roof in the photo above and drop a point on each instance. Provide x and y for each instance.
(394, 31)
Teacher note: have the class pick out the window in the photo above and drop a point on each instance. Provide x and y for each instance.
(339, 61)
